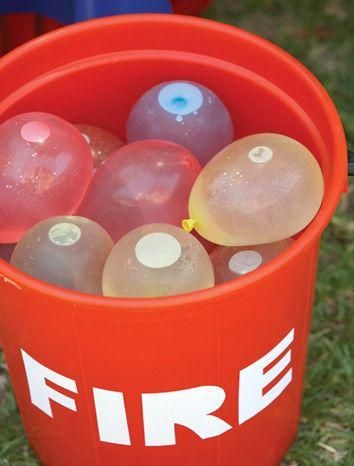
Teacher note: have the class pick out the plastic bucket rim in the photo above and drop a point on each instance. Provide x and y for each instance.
(146, 55)
(308, 237)
(142, 18)
(142, 55)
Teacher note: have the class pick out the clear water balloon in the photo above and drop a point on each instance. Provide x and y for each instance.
(260, 189)
(233, 262)
(45, 169)
(67, 251)
(157, 260)
(102, 143)
(185, 112)
(143, 182)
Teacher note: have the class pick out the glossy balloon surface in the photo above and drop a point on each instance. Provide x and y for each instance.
(67, 251)
(143, 182)
(45, 169)
(102, 143)
(260, 189)
(185, 112)
(157, 260)
(233, 262)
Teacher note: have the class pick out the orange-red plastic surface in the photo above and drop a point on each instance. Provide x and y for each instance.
(160, 345)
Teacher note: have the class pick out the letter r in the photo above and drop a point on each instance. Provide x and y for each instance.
(190, 408)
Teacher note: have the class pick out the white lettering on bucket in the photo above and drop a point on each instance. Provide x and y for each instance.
(162, 412)
(253, 380)
(111, 416)
(40, 393)
(190, 408)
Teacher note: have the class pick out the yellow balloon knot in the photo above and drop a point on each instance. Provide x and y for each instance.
(188, 224)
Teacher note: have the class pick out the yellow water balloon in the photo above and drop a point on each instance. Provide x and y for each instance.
(156, 260)
(260, 189)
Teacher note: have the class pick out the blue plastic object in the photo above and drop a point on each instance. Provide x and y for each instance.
(71, 11)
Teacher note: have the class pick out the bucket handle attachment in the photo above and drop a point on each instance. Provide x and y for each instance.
(350, 162)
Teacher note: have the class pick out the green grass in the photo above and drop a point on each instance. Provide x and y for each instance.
(321, 34)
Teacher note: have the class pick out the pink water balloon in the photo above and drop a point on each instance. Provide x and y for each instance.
(233, 262)
(45, 169)
(102, 143)
(143, 182)
(184, 112)
(66, 251)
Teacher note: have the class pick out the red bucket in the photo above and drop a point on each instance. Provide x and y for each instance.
(212, 377)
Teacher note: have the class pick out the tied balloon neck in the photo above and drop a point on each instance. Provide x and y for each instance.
(188, 224)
